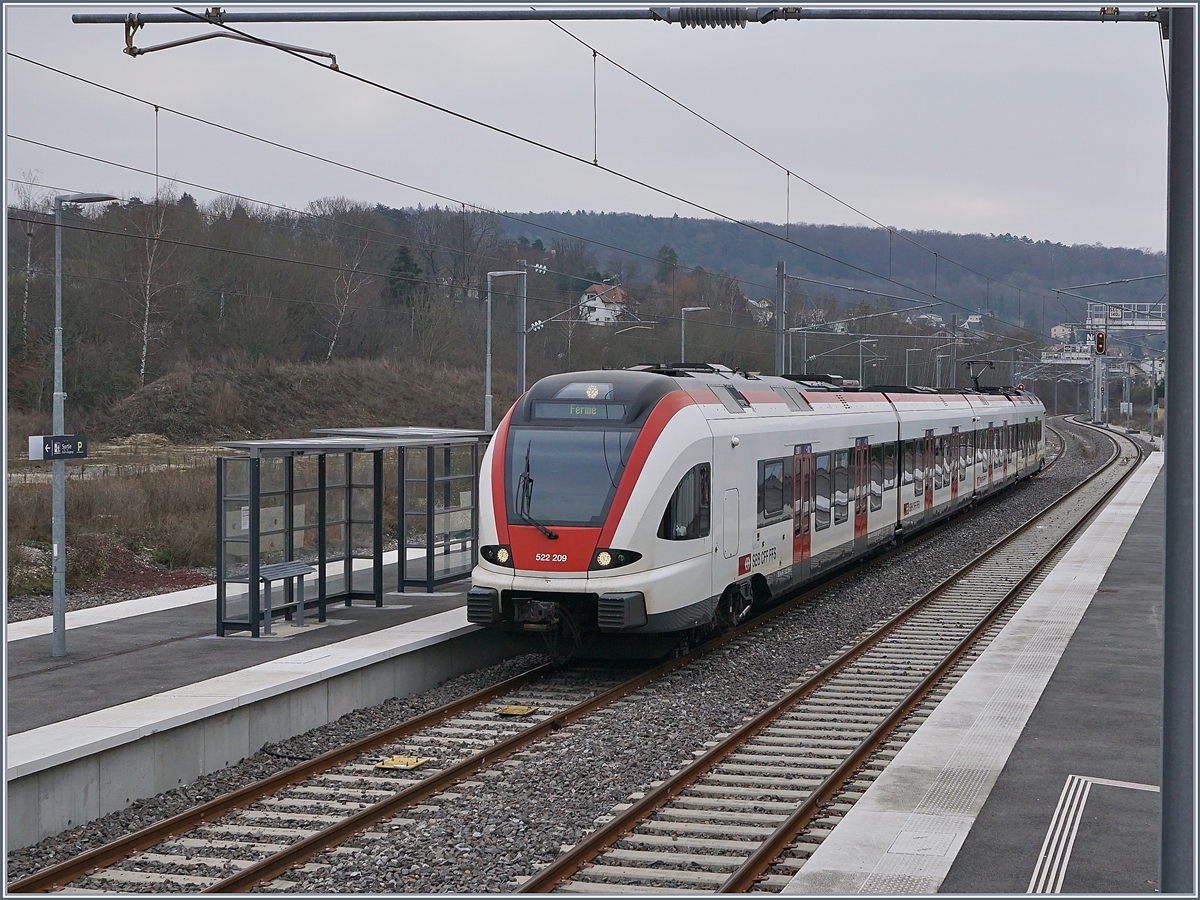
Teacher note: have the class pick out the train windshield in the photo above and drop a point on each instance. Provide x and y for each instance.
(564, 476)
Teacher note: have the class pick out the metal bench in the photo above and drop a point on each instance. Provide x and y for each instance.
(281, 572)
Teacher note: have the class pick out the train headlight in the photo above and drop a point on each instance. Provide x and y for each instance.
(613, 559)
(497, 555)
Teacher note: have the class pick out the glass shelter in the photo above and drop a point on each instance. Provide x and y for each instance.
(329, 505)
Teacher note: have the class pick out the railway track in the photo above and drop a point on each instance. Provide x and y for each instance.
(257, 834)
(729, 821)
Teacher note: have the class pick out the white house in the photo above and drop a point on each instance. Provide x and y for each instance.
(603, 304)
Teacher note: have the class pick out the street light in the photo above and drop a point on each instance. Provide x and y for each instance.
(860, 342)
(682, 326)
(938, 368)
(58, 467)
(906, 352)
(803, 329)
(487, 371)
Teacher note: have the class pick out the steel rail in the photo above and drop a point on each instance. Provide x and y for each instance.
(60, 874)
(761, 859)
(596, 842)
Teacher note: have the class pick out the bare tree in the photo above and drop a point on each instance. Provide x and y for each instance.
(36, 203)
(344, 230)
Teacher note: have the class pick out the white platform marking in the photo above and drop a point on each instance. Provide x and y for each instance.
(1056, 849)
(905, 832)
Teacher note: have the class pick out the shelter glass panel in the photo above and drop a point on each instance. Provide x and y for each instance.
(237, 560)
(237, 519)
(335, 469)
(362, 506)
(362, 469)
(304, 544)
(237, 476)
(362, 539)
(272, 473)
(304, 473)
(306, 509)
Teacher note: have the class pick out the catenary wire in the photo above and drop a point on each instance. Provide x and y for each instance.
(565, 154)
(358, 170)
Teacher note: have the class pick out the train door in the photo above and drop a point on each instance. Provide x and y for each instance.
(803, 497)
(953, 462)
(928, 471)
(731, 523)
(862, 487)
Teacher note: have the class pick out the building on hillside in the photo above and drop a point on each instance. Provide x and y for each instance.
(1061, 333)
(973, 323)
(604, 304)
(930, 321)
(762, 311)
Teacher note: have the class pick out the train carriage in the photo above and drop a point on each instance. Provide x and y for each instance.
(657, 502)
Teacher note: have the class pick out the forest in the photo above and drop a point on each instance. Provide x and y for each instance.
(226, 319)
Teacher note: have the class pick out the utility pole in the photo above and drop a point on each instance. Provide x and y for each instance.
(1178, 810)
(954, 350)
(780, 313)
(521, 330)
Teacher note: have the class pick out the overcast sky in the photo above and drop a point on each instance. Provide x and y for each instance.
(1055, 131)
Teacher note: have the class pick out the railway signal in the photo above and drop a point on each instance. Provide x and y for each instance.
(1100, 350)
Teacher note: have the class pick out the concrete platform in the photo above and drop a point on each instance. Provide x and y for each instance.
(147, 700)
(1039, 770)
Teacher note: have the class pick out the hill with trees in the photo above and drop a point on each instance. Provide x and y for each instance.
(200, 320)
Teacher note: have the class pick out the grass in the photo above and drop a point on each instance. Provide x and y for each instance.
(167, 517)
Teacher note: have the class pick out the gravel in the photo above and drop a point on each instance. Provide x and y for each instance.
(518, 816)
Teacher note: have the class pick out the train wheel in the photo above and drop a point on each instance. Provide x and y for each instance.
(733, 607)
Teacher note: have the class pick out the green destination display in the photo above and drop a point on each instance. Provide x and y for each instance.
(577, 409)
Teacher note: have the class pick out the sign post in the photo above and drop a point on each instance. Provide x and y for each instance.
(58, 446)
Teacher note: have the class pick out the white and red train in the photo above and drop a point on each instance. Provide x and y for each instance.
(662, 500)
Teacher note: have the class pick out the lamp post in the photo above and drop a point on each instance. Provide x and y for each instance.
(58, 502)
(862, 341)
(487, 371)
(906, 352)
(803, 329)
(682, 328)
(938, 369)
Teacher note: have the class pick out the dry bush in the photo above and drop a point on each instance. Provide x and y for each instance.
(167, 516)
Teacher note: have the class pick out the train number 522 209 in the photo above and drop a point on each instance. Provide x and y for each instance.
(551, 557)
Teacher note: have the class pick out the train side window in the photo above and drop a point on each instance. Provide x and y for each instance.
(841, 486)
(889, 466)
(918, 468)
(907, 448)
(773, 486)
(964, 454)
(877, 477)
(689, 513)
(939, 458)
(821, 488)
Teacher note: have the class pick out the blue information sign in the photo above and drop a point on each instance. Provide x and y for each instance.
(58, 446)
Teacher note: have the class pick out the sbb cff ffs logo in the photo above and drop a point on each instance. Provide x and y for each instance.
(1100, 350)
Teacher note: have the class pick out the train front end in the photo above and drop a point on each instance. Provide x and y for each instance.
(555, 482)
